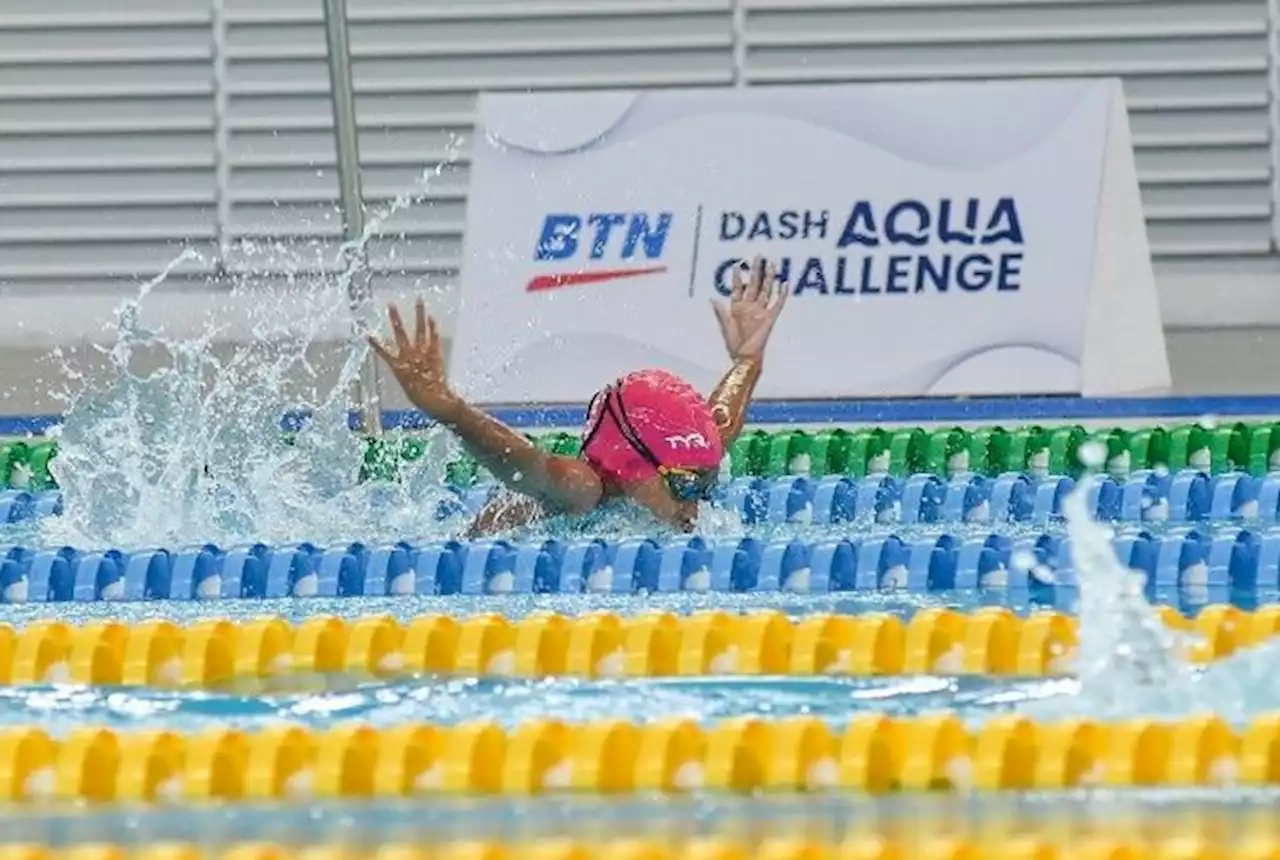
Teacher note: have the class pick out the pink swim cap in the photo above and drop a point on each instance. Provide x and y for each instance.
(668, 416)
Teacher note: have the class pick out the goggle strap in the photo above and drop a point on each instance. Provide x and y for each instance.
(628, 432)
(595, 427)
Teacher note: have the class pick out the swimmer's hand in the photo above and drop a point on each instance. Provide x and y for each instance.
(418, 364)
(747, 320)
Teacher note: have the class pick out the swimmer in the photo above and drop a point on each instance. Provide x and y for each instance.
(649, 437)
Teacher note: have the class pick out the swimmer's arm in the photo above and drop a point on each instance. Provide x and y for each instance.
(563, 484)
(732, 396)
(503, 513)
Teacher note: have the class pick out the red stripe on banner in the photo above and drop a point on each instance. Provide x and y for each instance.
(571, 279)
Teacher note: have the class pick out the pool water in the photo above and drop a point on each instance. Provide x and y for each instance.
(131, 466)
(1236, 686)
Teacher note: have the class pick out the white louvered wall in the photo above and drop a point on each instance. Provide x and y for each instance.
(106, 140)
(127, 128)
(416, 68)
(1196, 76)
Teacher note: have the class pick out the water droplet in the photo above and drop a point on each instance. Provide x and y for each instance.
(137, 439)
(1022, 561)
(1044, 574)
(1093, 454)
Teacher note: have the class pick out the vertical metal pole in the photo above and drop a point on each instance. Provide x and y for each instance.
(1273, 111)
(347, 141)
(221, 135)
(738, 25)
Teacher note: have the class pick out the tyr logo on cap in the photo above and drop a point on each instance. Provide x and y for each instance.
(688, 440)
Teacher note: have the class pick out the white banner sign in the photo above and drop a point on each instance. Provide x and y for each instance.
(937, 238)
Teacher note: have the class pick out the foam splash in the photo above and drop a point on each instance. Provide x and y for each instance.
(1129, 662)
(1128, 659)
(192, 450)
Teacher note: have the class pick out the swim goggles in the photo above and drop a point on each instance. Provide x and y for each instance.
(687, 485)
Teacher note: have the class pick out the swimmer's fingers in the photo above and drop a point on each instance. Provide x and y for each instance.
(437, 350)
(769, 285)
(420, 325)
(780, 291)
(739, 286)
(397, 328)
(783, 290)
(381, 349)
(728, 327)
(756, 281)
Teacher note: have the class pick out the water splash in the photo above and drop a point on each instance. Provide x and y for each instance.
(1128, 659)
(178, 444)
(1131, 663)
